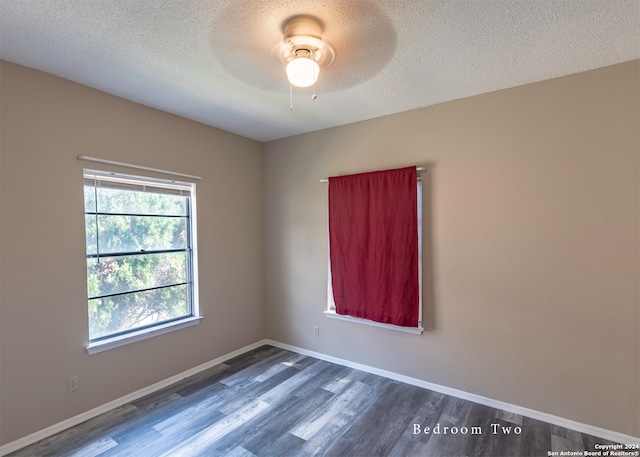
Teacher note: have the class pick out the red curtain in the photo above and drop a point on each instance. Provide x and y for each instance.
(373, 236)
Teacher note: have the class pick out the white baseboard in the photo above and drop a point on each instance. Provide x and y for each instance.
(533, 414)
(75, 420)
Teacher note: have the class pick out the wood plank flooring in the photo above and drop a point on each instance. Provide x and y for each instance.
(272, 402)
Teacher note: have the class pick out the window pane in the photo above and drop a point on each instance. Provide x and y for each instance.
(89, 199)
(114, 275)
(90, 232)
(130, 202)
(122, 313)
(136, 233)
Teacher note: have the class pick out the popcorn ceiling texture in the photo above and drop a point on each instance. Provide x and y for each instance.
(211, 61)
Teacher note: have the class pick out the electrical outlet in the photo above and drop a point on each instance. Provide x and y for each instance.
(316, 330)
(73, 383)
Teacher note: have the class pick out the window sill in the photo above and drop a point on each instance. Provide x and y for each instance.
(357, 320)
(111, 343)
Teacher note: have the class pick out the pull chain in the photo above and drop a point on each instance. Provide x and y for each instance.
(313, 88)
(291, 96)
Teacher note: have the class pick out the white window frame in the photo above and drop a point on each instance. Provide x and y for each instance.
(331, 306)
(194, 317)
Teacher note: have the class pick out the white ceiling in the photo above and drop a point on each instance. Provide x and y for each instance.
(210, 60)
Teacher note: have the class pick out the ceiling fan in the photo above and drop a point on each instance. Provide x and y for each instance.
(304, 52)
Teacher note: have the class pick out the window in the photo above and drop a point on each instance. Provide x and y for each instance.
(141, 262)
(378, 262)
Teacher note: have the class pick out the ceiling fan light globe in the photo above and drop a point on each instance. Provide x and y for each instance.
(302, 72)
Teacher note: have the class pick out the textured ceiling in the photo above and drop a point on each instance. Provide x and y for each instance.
(211, 61)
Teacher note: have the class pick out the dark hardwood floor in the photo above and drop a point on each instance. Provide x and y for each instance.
(272, 402)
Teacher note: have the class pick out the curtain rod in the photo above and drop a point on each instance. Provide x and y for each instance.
(418, 169)
(138, 167)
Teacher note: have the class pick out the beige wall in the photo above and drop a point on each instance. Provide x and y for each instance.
(531, 244)
(46, 123)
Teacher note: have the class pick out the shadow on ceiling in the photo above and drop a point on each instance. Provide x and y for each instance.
(243, 36)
